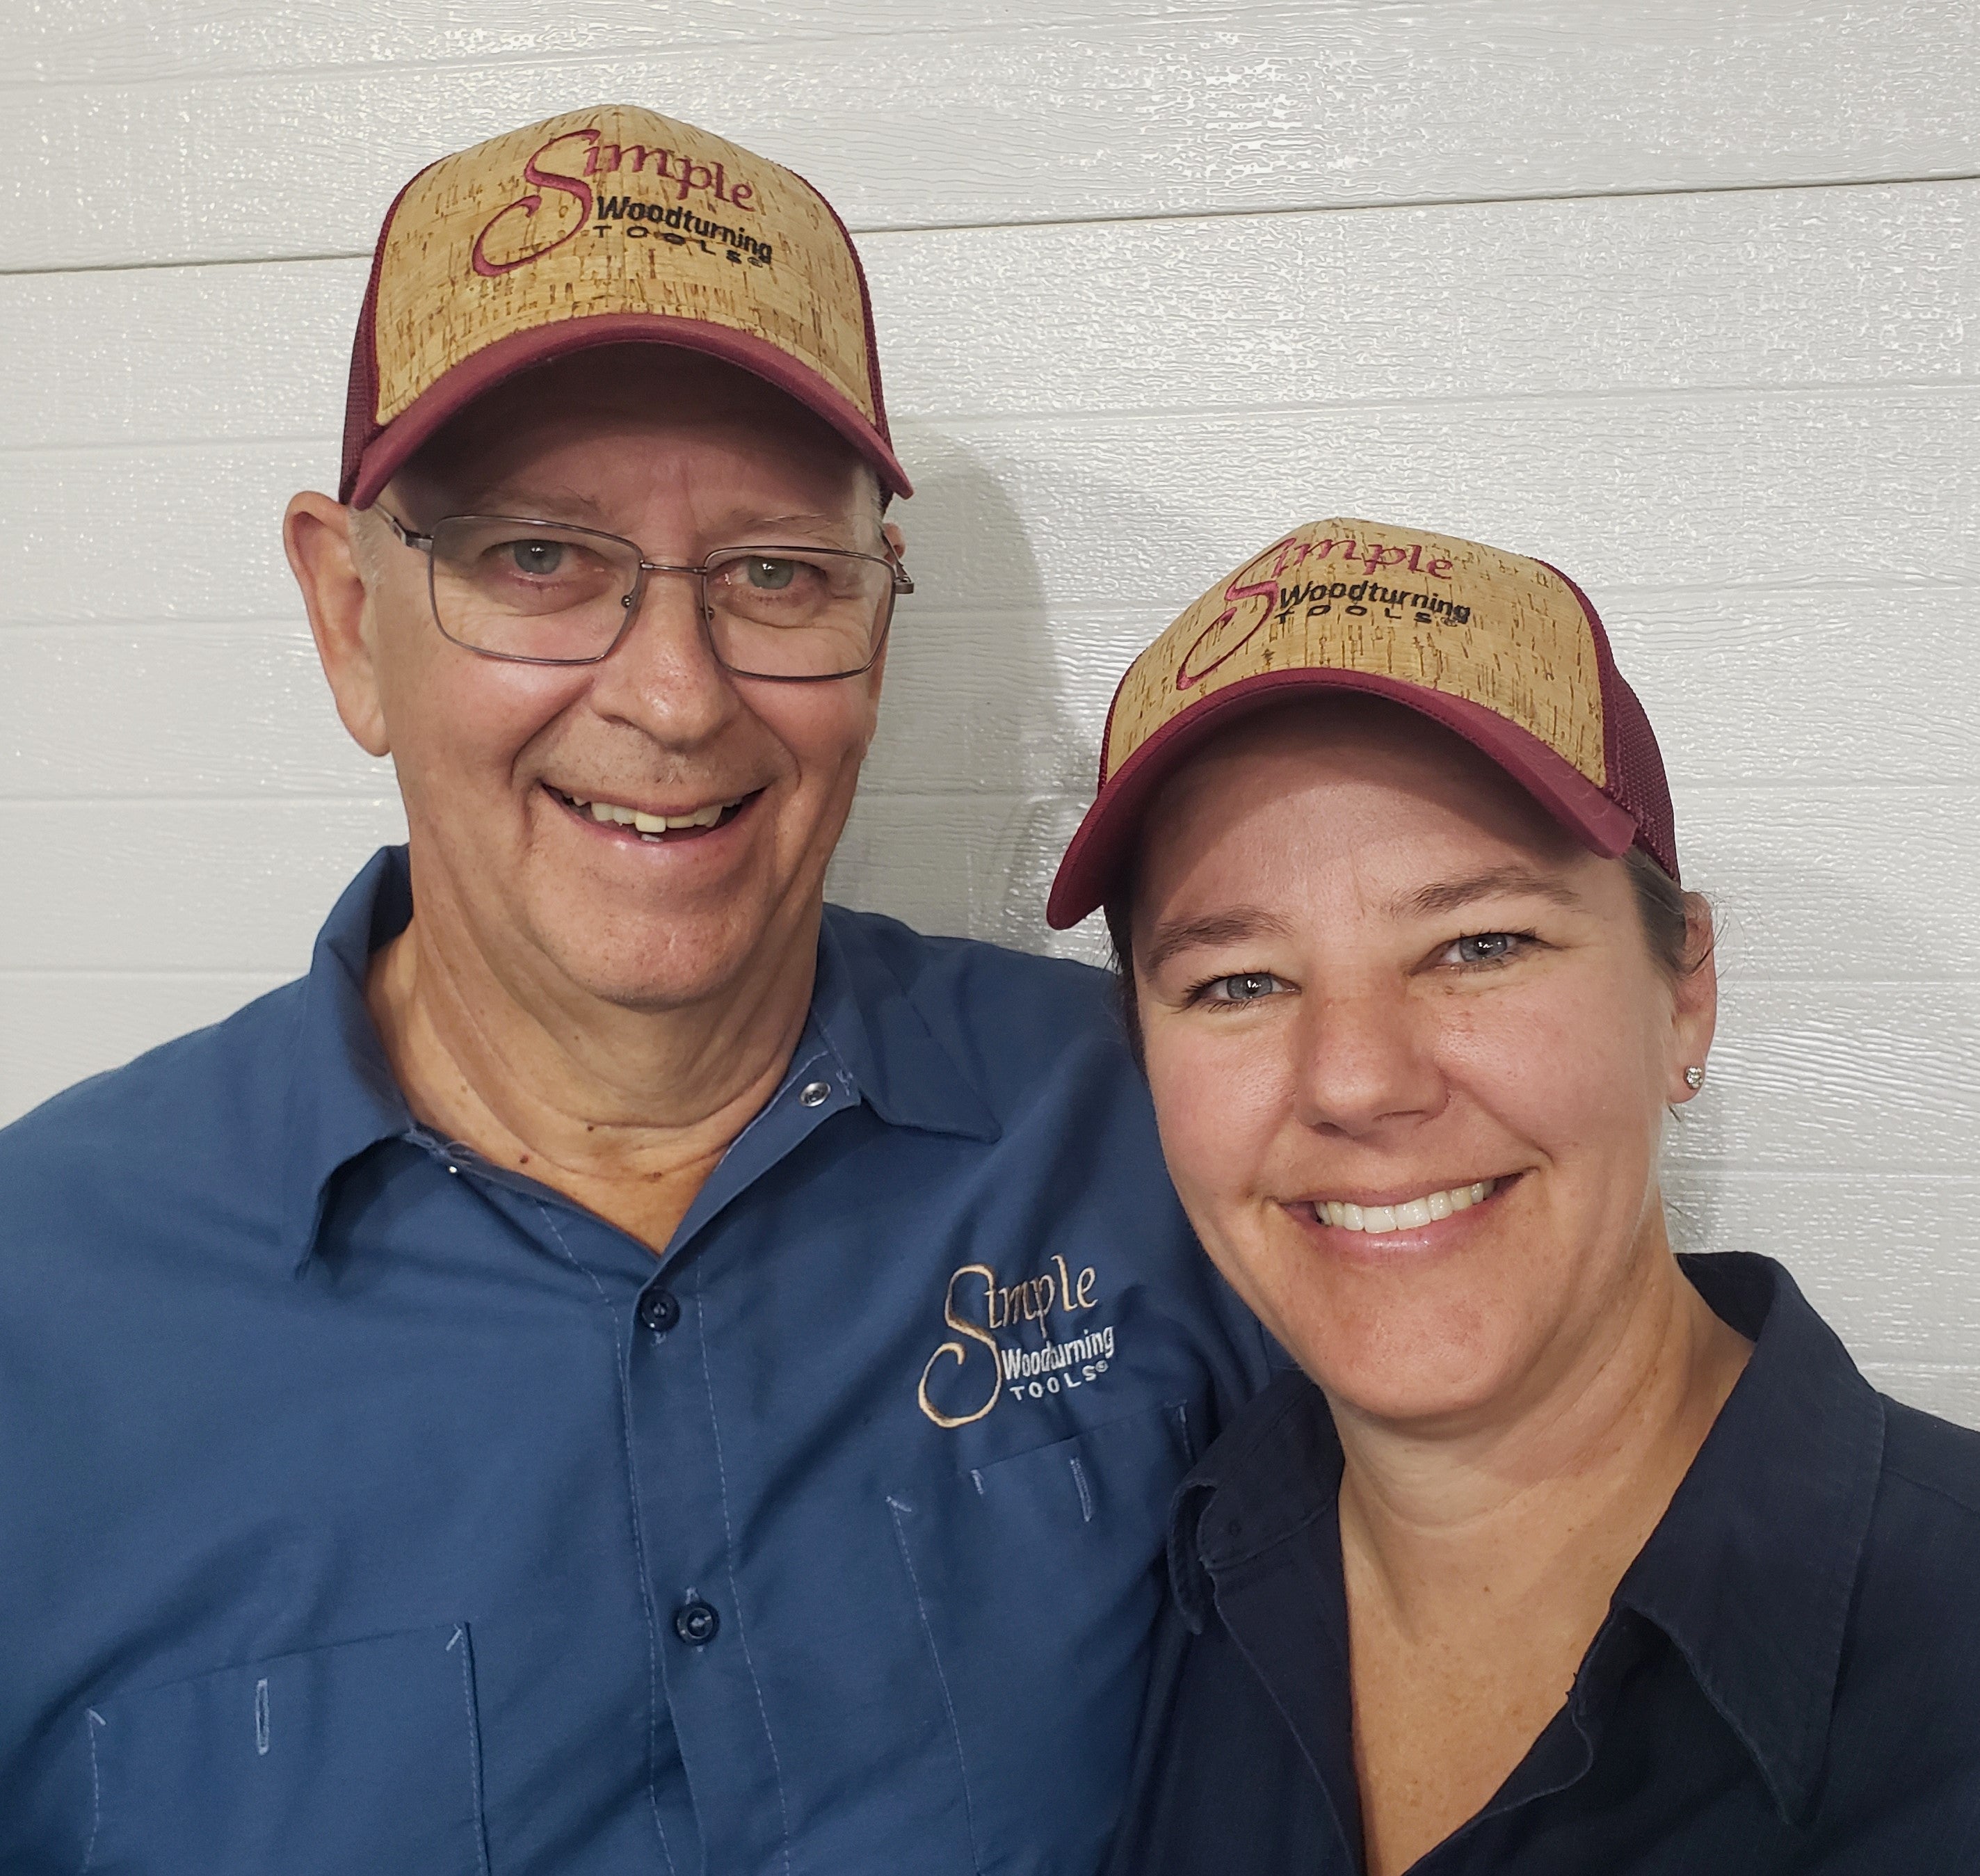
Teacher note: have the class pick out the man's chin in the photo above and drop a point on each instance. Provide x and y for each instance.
(654, 962)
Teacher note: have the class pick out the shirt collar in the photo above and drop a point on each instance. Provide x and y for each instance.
(1750, 1573)
(882, 1025)
(342, 1099)
(1275, 1469)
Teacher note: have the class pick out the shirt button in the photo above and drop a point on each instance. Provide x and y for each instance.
(695, 1624)
(659, 1310)
(814, 1093)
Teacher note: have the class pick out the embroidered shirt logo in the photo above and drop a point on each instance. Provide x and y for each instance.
(967, 1375)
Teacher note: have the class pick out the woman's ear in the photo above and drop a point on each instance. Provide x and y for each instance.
(1695, 1011)
(317, 534)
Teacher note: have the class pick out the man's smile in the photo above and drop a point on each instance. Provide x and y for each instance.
(653, 824)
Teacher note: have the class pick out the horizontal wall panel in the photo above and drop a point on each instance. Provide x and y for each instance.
(1834, 687)
(103, 43)
(1883, 1257)
(1673, 492)
(1761, 288)
(217, 886)
(1882, 1077)
(232, 885)
(1491, 299)
(57, 1030)
(1805, 884)
(1036, 118)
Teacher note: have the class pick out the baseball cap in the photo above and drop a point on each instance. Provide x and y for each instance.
(1503, 651)
(596, 227)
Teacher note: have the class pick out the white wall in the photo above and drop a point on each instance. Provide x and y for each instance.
(1679, 296)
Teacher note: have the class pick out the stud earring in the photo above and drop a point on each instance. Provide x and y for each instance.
(1694, 1078)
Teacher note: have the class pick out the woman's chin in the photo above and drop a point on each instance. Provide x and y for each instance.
(1432, 1370)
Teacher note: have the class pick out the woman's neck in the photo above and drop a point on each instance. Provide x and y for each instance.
(1553, 1482)
(1480, 1561)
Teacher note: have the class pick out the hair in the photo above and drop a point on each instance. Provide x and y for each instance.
(1663, 907)
(368, 535)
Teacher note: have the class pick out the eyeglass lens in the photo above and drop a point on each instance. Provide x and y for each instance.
(532, 590)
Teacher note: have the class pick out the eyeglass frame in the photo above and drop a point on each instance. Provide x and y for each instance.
(902, 583)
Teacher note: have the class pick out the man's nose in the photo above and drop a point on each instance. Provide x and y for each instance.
(662, 677)
(1363, 1060)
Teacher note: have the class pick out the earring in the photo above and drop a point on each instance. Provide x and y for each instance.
(1694, 1078)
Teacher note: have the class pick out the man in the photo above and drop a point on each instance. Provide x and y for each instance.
(622, 1368)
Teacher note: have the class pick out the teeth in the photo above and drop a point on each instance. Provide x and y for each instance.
(1411, 1215)
(614, 815)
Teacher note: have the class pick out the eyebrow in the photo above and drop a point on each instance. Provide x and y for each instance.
(576, 510)
(1230, 927)
(1494, 882)
(566, 505)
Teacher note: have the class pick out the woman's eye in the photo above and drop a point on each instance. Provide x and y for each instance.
(769, 576)
(1247, 987)
(537, 559)
(1486, 947)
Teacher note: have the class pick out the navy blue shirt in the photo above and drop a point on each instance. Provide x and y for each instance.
(1788, 1680)
(365, 1507)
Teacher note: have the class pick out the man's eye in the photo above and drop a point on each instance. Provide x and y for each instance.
(768, 576)
(1488, 947)
(538, 559)
(1246, 986)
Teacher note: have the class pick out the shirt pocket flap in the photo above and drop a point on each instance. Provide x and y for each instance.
(364, 1755)
(1039, 1579)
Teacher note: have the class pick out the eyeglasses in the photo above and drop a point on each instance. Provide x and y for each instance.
(541, 593)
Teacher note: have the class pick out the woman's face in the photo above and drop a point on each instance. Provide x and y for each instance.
(1378, 986)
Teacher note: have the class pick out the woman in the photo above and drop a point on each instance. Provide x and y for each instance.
(1558, 1554)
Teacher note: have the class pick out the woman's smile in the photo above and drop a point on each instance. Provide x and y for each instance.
(1385, 1215)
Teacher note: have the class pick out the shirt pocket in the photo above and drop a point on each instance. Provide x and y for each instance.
(1038, 1580)
(364, 1756)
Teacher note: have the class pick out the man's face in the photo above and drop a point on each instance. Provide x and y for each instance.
(682, 455)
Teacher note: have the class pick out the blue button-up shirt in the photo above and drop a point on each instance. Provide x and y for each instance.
(365, 1506)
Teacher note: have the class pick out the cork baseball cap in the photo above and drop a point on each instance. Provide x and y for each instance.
(597, 227)
(1505, 651)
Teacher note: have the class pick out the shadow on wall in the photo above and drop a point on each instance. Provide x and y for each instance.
(982, 765)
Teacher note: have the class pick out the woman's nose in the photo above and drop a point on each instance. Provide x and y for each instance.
(1362, 1062)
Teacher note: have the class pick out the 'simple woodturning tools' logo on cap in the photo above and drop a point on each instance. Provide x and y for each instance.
(600, 226)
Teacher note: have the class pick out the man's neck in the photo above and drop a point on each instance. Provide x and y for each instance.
(626, 1112)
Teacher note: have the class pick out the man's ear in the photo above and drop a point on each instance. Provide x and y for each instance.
(317, 534)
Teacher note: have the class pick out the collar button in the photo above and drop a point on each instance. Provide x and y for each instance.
(815, 1094)
(696, 1623)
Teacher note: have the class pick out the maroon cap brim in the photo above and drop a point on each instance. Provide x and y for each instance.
(387, 450)
(1106, 839)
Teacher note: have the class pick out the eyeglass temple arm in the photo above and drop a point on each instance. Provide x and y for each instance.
(406, 535)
